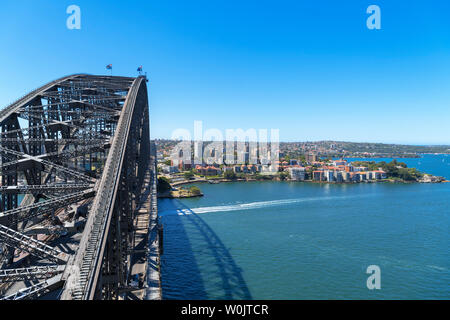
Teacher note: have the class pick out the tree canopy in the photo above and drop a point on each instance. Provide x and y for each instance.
(393, 169)
(188, 175)
(195, 190)
(230, 175)
(163, 184)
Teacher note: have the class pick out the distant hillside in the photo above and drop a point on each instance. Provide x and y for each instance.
(340, 149)
(362, 147)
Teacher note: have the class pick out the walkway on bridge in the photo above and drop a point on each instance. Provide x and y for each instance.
(145, 258)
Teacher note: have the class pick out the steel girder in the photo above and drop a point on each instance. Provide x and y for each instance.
(6, 112)
(31, 273)
(36, 189)
(40, 208)
(37, 290)
(48, 164)
(93, 131)
(32, 246)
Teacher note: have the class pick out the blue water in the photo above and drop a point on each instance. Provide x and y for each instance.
(288, 240)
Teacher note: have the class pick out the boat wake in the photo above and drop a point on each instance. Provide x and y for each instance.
(249, 206)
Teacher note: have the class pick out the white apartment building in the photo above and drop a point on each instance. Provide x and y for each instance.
(297, 174)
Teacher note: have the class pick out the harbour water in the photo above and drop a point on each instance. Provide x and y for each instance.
(293, 240)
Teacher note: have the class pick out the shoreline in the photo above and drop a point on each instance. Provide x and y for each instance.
(169, 195)
(165, 196)
(217, 181)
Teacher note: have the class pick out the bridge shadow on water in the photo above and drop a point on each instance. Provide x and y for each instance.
(181, 275)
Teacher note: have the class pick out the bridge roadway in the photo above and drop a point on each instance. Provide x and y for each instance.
(145, 257)
(78, 211)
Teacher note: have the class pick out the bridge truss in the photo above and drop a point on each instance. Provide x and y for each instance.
(73, 154)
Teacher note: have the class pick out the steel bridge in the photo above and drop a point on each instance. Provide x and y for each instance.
(74, 154)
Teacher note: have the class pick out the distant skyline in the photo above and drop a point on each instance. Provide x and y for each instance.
(311, 69)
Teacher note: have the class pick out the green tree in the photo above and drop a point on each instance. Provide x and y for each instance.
(241, 176)
(188, 175)
(263, 177)
(163, 185)
(230, 175)
(283, 175)
(195, 190)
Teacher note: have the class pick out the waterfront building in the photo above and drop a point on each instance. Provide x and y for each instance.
(208, 171)
(380, 174)
(338, 176)
(362, 176)
(375, 175)
(329, 175)
(345, 176)
(297, 173)
(317, 175)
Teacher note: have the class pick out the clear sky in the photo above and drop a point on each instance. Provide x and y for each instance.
(309, 68)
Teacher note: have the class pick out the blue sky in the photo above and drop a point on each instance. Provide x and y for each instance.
(309, 68)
